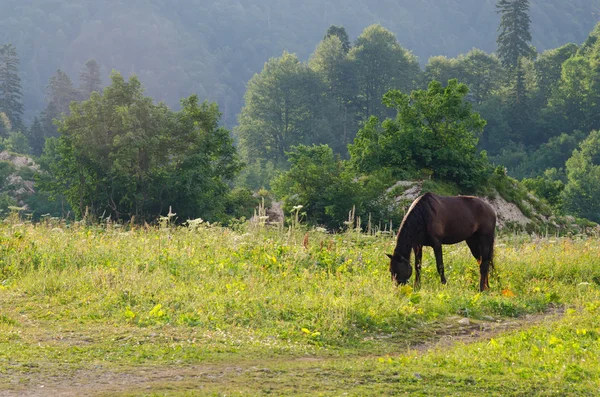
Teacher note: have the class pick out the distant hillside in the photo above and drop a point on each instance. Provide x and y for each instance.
(179, 47)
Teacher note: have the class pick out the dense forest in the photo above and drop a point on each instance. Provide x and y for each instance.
(183, 47)
(325, 119)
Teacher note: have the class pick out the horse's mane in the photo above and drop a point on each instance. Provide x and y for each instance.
(414, 224)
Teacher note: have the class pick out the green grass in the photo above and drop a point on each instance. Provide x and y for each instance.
(87, 301)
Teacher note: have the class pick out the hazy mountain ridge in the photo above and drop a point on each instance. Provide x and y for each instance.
(188, 46)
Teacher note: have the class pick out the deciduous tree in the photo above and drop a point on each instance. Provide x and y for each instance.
(381, 64)
(434, 129)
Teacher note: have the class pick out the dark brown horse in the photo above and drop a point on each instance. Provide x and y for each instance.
(434, 220)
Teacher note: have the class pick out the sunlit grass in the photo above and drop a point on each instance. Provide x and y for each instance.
(83, 295)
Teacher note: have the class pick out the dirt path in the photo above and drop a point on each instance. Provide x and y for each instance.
(145, 380)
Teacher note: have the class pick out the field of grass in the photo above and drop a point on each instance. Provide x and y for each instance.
(254, 311)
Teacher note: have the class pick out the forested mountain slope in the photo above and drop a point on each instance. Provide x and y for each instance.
(180, 47)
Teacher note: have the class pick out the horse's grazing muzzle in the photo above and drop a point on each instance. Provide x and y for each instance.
(398, 280)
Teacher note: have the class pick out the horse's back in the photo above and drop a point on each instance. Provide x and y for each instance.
(459, 217)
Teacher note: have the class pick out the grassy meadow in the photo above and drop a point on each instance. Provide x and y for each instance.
(261, 311)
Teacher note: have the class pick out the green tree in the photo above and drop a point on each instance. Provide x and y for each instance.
(482, 73)
(548, 187)
(442, 68)
(340, 33)
(434, 129)
(56, 178)
(331, 63)
(381, 64)
(551, 154)
(90, 79)
(328, 189)
(7, 168)
(581, 195)
(60, 94)
(319, 182)
(572, 104)
(283, 108)
(36, 137)
(119, 154)
(513, 45)
(514, 38)
(11, 102)
(5, 125)
(202, 162)
(17, 143)
(548, 69)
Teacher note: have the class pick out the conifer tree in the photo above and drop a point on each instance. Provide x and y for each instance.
(90, 79)
(59, 96)
(514, 38)
(339, 32)
(11, 102)
(36, 137)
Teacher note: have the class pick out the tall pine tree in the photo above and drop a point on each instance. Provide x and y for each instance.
(514, 38)
(513, 45)
(90, 79)
(11, 102)
(60, 94)
(36, 137)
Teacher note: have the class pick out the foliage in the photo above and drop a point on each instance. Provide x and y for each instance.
(513, 40)
(381, 65)
(11, 95)
(481, 72)
(341, 34)
(283, 108)
(328, 190)
(534, 107)
(199, 165)
(240, 203)
(90, 79)
(582, 192)
(552, 154)
(6, 169)
(17, 142)
(36, 137)
(319, 182)
(548, 187)
(214, 49)
(121, 155)
(256, 175)
(60, 93)
(434, 129)
(334, 67)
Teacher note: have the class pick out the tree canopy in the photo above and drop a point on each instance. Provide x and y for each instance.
(435, 130)
(120, 155)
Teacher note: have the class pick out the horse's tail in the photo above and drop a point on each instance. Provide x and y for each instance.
(492, 256)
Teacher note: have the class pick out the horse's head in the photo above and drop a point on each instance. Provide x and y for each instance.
(400, 268)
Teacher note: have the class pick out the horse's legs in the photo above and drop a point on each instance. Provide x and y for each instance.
(418, 250)
(487, 249)
(473, 243)
(437, 249)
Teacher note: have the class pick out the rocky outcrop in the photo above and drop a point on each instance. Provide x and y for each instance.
(16, 185)
(507, 213)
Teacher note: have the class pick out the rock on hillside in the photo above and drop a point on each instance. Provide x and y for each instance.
(507, 213)
(18, 185)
